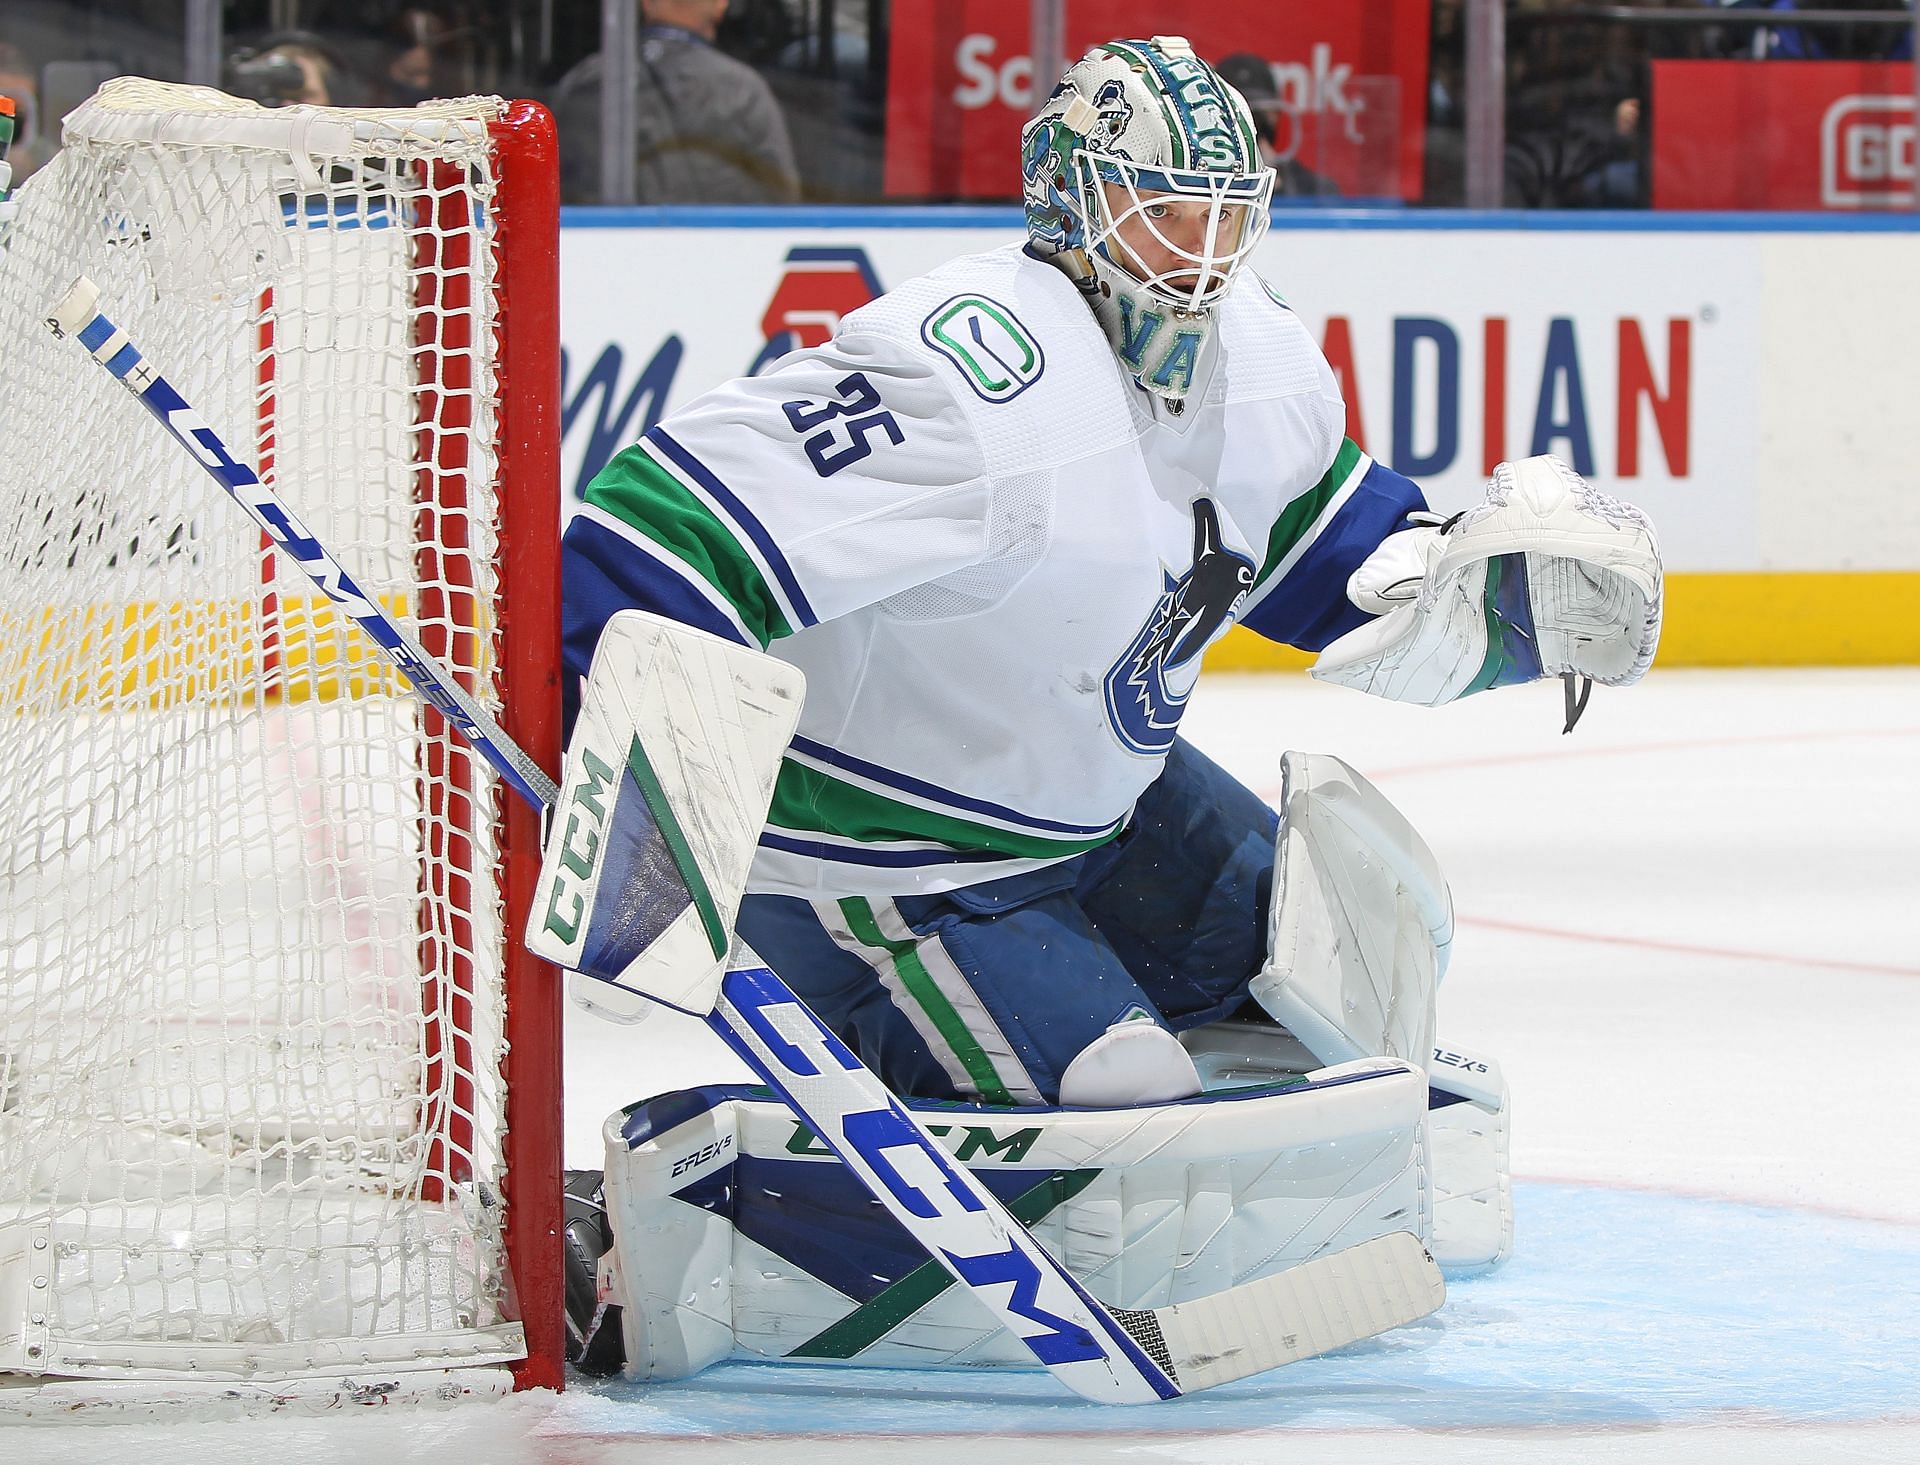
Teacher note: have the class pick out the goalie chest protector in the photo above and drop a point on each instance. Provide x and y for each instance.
(1014, 572)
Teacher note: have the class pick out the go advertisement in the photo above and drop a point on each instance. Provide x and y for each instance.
(1347, 99)
(1633, 355)
(1783, 135)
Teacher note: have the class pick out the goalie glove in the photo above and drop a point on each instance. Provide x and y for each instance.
(1547, 577)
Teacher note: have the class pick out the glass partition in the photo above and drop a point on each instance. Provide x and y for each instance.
(1339, 90)
(374, 53)
(1750, 104)
(54, 53)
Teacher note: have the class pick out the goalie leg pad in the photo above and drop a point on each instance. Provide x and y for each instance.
(738, 1234)
(1471, 1227)
(673, 1263)
(1472, 1178)
(1362, 919)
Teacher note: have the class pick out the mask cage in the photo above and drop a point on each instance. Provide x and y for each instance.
(1236, 221)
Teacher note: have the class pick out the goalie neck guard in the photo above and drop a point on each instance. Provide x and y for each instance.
(1143, 181)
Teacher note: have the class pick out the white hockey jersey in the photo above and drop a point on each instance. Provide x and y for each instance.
(996, 558)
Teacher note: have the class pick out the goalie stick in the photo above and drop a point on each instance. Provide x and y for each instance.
(1108, 1355)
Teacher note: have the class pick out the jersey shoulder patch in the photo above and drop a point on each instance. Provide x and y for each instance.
(998, 357)
(1020, 351)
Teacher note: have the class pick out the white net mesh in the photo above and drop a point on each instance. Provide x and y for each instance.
(250, 1010)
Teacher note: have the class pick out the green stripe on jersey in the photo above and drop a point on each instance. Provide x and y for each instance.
(808, 801)
(1300, 516)
(642, 493)
(921, 987)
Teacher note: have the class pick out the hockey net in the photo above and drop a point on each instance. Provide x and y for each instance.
(278, 1092)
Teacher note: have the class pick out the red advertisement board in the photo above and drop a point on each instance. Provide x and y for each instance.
(1350, 81)
(1783, 134)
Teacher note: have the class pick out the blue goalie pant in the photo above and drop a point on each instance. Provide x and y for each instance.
(989, 992)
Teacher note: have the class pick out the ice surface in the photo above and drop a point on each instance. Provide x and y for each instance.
(1688, 933)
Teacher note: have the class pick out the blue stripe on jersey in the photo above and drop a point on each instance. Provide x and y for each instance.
(1309, 607)
(605, 572)
(892, 859)
(742, 516)
(906, 783)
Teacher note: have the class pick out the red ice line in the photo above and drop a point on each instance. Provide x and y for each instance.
(1411, 770)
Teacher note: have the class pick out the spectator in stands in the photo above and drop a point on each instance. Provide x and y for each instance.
(418, 36)
(429, 51)
(1574, 135)
(30, 149)
(289, 68)
(1832, 42)
(1445, 168)
(709, 128)
(1252, 77)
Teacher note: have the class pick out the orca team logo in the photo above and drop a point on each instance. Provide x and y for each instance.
(1147, 688)
(1053, 219)
(821, 283)
(1116, 116)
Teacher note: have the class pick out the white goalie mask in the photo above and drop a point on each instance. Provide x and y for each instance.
(1143, 180)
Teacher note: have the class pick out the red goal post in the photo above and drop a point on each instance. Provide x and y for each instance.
(279, 1087)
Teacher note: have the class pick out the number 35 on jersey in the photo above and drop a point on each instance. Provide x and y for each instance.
(841, 431)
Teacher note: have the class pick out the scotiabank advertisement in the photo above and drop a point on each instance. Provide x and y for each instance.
(1348, 95)
(1783, 135)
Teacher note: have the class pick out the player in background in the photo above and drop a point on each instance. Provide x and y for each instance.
(997, 520)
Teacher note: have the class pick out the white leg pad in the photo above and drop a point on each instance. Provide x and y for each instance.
(1466, 1143)
(1472, 1182)
(1362, 919)
(1130, 1063)
(738, 1234)
(675, 1330)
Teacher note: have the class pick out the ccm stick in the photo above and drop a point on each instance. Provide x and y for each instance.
(1109, 1355)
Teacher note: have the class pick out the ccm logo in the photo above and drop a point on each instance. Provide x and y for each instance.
(1867, 153)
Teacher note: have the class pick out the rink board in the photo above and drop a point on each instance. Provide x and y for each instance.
(1740, 377)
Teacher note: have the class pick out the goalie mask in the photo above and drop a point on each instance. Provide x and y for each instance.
(1143, 181)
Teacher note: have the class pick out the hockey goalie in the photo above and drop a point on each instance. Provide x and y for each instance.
(1189, 1039)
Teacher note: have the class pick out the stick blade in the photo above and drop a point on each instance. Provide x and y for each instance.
(1304, 1311)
